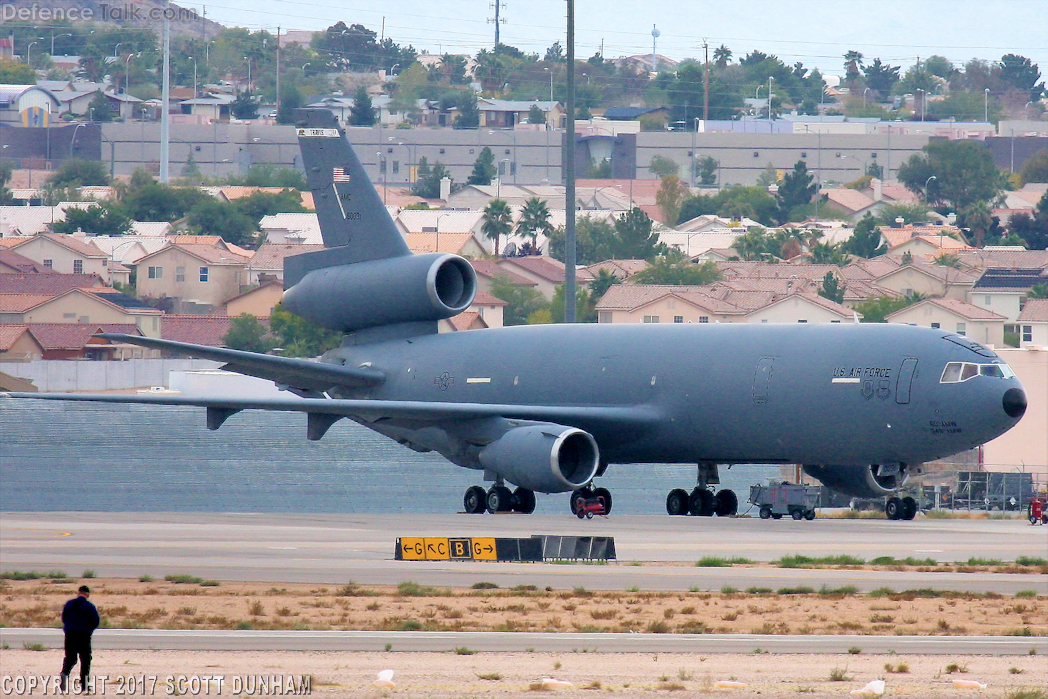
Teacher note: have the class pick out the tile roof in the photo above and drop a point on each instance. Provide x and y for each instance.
(482, 299)
(766, 270)
(465, 320)
(197, 329)
(850, 199)
(10, 258)
(544, 267)
(207, 253)
(623, 269)
(1035, 311)
(117, 298)
(74, 243)
(487, 268)
(825, 303)
(1005, 259)
(418, 221)
(271, 256)
(306, 224)
(965, 310)
(74, 336)
(50, 284)
(181, 239)
(150, 228)
(20, 303)
(9, 334)
(628, 297)
(31, 220)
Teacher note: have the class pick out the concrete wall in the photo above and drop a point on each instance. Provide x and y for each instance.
(76, 376)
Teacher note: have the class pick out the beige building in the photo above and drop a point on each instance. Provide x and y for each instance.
(258, 301)
(954, 316)
(628, 303)
(1033, 324)
(929, 280)
(197, 278)
(84, 306)
(490, 309)
(801, 308)
(1024, 448)
(17, 344)
(267, 264)
(546, 272)
(68, 254)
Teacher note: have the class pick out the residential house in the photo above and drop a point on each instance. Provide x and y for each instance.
(927, 278)
(1033, 324)
(210, 108)
(629, 303)
(291, 228)
(192, 278)
(78, 305)
(25, 221)
(51, 284)
(623, 269)
(1004, 291)
(546, 272)
(505, 114)
(490, 308)
(78, 341)
(18, 344)
(123, 105)
(929, 247)
(954, 316)
(13, 263)
(68, 254)
(1003, 258)
(802, 308)
(894, 237)
(267, 264)
(467, 320)
(487, 271)
(258, 301)
(197, 329)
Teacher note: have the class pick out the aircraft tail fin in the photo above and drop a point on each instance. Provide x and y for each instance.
(352, 216)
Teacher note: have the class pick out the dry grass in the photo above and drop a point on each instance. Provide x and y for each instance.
(129, 603)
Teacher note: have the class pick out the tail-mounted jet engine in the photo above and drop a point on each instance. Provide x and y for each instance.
(872, 481)
(546, 458)
(350, 297)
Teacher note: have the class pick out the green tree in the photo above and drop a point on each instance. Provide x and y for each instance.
(98, 219)
(300, 337)
(79, 173)
(362, 112)
(191, 171)
(272, 175)
(595, 240)
(152, 201)
(866, 239)
(1033, 229)
(875, 310)
(290, 100)
(826, 254)
(214, 217)
(244, 106)
(634, 237)
(754, 245)
(468, 116)
(852, 65)
(831, 288)
(16, 73)
(677, 270)
(259, 204)
(600, 284)
(427, 182)
(98, 108)
(909, 213)
(706, 171)
(534, 219)
(670, 196)
(1038, 291)
(881, 78)
(1021, 73)
(796, 190)
(584, 311)
(483, 168)
(247, 333)
(536, 115)
(498, 221)
(964, 174)
(660, 166)
(1036, 168)
(523, 301)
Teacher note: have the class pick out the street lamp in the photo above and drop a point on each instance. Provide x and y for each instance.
(770, 78)
(194, 76)
(861, 163)
(29, 53)
(53, 37)
(436, 245)
(382, 169)
(926, 183)
(72, 141)
(924, 102)
(864, 98)
(986, 104)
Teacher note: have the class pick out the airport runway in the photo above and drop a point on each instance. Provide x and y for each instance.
(655, 552)
(435, 641)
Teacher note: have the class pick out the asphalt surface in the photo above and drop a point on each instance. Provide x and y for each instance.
(654, 552)
(426, 641)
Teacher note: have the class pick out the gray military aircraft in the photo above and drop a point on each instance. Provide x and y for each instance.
(548, 408)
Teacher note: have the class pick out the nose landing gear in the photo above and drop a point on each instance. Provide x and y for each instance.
(901, 508)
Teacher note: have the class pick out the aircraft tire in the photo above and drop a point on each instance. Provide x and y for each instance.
(727, 503)
(909, 508)
(701, 503)
(893, 508)
(524, 501)
(797, 515)
(584, 493)
(765, 512)
(475, 500)
(809, 515)
(606, 494)
(677, 502)
(499, 499)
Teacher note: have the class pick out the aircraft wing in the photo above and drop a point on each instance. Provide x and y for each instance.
(584, 417)
(295, 373)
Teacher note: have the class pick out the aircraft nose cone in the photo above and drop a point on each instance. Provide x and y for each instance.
(1014, 402)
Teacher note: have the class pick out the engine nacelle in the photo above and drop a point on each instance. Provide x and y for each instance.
(405, 289)
(872, 481)
(546, 458)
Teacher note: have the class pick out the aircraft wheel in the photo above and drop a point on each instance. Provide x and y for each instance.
(809, 515)
(798, 515)
(584, 493)
(727, 503)
(765, 512)
(909, 508)
(474, 502)
(701, 503)
(677, 502)
(524, 501)
(500, 499)
(893, 508)
(606, 494)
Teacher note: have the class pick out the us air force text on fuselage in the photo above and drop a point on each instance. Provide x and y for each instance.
(156, 685)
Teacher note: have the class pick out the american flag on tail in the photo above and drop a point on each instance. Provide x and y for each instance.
(339, 174)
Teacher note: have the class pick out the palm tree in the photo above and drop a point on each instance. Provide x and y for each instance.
(852, 64)
(534, 219)
(722, 56)
(498, 221)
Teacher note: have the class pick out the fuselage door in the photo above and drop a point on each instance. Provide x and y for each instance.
(762, 378)
(902, 389)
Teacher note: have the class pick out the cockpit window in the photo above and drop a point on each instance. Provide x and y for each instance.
(956, 372)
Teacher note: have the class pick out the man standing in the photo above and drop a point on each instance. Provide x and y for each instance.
(79, 621)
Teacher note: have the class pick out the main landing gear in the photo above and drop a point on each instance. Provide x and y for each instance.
(477, 501)
(702, 502)
(901, 508)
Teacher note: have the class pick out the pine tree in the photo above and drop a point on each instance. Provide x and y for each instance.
(483, 169)
(363, 112)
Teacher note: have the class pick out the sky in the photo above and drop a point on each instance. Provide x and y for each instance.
(815, 32)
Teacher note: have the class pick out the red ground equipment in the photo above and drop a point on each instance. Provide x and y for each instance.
(585, 508)
(1038, 512)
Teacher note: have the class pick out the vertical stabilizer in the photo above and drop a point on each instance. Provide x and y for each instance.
(351, 213)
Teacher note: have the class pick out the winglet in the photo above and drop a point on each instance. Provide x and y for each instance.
(352, 216)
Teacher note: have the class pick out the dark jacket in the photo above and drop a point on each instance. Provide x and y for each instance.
(79, 615)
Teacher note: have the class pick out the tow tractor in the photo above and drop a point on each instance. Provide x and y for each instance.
(776, 500)
(1037, 512)
(585, 507)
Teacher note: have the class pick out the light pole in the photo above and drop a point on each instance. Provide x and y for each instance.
(194, 76)
(72, 141)
(436, 245)
(53, 37)
(127, 71)
(143, 137)
(986, 104)
(29, 53)
(926, 183)
(382, 170)
(924, 102)
(818, 171)
(770, 78)
(864, 98)
(861, 163)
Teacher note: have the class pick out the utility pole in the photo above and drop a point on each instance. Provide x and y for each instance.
(569, 176)
(706, 85)
(498, 5)
(278, 72)
(165, 115)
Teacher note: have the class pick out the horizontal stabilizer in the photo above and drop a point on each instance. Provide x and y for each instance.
(296, 373)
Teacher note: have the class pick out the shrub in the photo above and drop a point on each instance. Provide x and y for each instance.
(839, 674)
